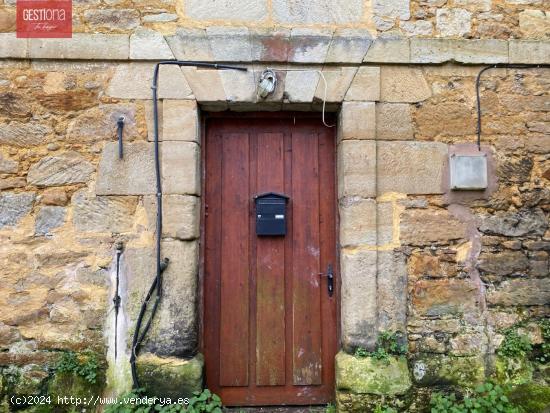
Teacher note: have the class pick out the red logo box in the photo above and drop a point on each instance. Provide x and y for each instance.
(44, 18)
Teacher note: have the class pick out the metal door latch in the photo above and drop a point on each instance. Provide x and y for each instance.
(330, 279)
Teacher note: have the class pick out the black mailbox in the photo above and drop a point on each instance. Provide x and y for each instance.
(271, 214)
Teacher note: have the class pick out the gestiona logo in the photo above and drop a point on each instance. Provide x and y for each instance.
(44, 18)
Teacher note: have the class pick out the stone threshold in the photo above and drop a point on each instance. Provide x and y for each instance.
(294, 46)
(276, 409)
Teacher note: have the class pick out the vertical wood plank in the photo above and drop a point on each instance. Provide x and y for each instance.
(234, 302)
(270, 276)
(307, 362)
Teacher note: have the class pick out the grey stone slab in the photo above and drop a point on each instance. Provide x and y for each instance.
(318, 12)
(206, 84)
(62, 169)
(523, 51)
(12, 47)
(337, 84)
(357, 120)
(349, 45)
(112, 19)
(309, 45)
(387, 50)
(13, 207)
(8, 166)
(300, 86)
(357, 221)
(357, 168)
(24, 134)
(392, 9)
(48, 219)
(146, 44)
(230, 10)
(365, 85)
(132, 175)
(394, 121)
(159, 18)
(180, 216)
(82, 46)
(270, 45)
(463, 51)
(180, 121)
(392, 291)
(411, 167)
(230, 44)
(190, 44)
(239, 86)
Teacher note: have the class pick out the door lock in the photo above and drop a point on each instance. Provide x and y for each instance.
(330, 279)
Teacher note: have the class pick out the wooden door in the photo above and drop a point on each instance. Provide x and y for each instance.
(270, 326)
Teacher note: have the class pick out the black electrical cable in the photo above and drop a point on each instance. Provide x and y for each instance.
(478, 81)
(156, 285)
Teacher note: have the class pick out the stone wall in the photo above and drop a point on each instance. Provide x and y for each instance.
(450, 269)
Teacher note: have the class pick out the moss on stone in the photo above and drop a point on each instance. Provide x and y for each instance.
(366, 375)
(513, 370)
(438, 369)
(170, 376)
(69, 384)
(532, 398)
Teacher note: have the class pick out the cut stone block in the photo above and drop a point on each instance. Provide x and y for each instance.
(389, 50)
(206, 84)
(411, 167)
(229, 44)
(523, 51)
(180, 163)
(357, 168)
(63, 169)
(179, 121)
(231, 10)
(309, 45)
(13, 47)
(300, 86)
(403, 84)
(357, 120)
(13, 207)
(357, 221)
(349, 45)
(392, 291)
(132, 175)
(365, 85)
(358, 299)
(463, 51)
(337, 84)
(146, 44)
(433, 369)
(394, 121)
(82, 46)
(307, 12)
(180, 216)
(190, 44)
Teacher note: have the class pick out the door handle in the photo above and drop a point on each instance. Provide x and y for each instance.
(330, 279)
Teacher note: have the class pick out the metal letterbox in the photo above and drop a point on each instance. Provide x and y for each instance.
(270, 214)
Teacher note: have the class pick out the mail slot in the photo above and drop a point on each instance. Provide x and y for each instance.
(271, 214)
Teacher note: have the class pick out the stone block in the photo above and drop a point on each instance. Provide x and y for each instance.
(357, 168)
(82, 46)
(503, 263)
(14, 206)
(524, 51)
(63, 169)
(7, 20)
(392, 291)
(425, 227)
(65, 383)
(180, 168)
(190, 44)
(170, 376)
(417, 28)
(534, 23)
(463, 51)
(394, 121)
(133, 81)
(326, 12)
(174, 331)
(24, 134)
(12, 182)
(109, 214)
(12, 47)
(111, 19)
(159, 18)
(239, 86)
(515, 223)
(445, 119)
(369, 376)
(357, 221)
(403, 85)
(388, 50)
(229, 44)
(100, 123)
(8, 166)
(180, 121)
(444, 297)
(358, 299)
(453, 22)
(392, 9)
(309, 45)
(48, 219)
(349, 46)
(300, 86)
(365, 85)
(520, 292)
(180, 216)
(146, 44)
(432, 369)
(206, 84)
(357, 121)
(232, 10)
(411, 167)
(270, 45)
(337, 84)
(132, 175)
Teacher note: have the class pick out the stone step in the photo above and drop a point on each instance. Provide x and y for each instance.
(277, 409)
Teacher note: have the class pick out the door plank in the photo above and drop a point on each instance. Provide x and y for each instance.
(234, 333)
(270, 266)
(307, 363)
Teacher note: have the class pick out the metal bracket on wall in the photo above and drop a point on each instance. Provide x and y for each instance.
(120, 127)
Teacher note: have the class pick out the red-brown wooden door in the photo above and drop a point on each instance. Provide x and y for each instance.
(270, 326)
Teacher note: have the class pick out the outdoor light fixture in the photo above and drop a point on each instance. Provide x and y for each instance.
(267, 83)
